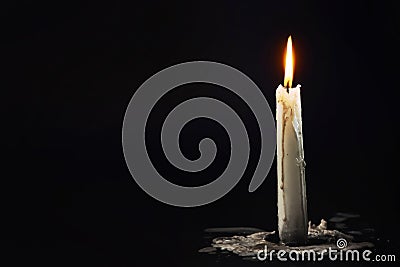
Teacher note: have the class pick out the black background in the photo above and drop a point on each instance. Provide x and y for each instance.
(73, 68)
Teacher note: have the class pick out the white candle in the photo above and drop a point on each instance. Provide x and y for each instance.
(292, 202)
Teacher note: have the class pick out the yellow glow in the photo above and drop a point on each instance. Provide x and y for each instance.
(289, 64)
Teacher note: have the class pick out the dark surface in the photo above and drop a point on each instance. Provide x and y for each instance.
(73, 67)
(356, 232)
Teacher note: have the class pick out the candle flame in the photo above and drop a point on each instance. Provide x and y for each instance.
(289, 64)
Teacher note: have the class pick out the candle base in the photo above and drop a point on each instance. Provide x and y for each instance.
(295, 237)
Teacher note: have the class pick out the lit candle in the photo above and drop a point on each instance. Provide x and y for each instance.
(292, 202)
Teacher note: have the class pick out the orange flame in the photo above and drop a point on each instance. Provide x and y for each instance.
(289, 64)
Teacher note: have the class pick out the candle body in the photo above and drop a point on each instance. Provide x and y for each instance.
(292, 201)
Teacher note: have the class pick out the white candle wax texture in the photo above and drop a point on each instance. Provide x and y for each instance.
(292, 202)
